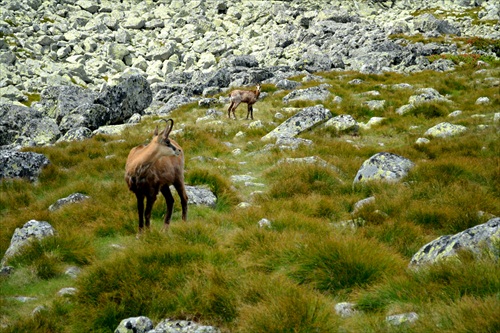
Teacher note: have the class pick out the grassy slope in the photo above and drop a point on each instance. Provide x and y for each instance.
(221, 269)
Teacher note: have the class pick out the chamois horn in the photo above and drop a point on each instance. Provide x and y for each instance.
(165, 132)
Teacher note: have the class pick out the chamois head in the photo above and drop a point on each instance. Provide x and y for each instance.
(164, 144)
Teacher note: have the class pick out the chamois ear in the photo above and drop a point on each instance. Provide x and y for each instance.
(155, 133)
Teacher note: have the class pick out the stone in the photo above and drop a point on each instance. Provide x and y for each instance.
(383, 167)
(345, 309)
(482, 100)
(76, 134)
(135, 325)
(18, 164)
(265, 223)
(455, 113)
(444, 130)
(300, 122)
(343, 123)
(67, 291)
(318, 93)
(427, 95)
(422, 141)
(181, 326)
(31, 230)
(475, 239)
(200, 195)
(360, 204)
(72, 198)
(400, 319)
(132, 95)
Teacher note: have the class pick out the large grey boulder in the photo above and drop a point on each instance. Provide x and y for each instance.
(173, 103)
(314, 62)
(31, 230)
(59, 101)
(76, 134)
(475, 239)
(15, 123)
(383, 166)
(300, 122)
(16, 164)
(318, 93)
(135, 325)
(39, 132)
(200, 195)
(88, 115)
(132, 95)
(427, 23)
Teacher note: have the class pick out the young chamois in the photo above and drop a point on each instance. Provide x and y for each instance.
(154, 167)
(243, 96)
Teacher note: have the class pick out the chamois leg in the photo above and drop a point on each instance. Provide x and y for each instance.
(250, 111)
(235, 105)
(169, 200)
(150, 200)
(181, 190)
(229, 110)
(140, 209)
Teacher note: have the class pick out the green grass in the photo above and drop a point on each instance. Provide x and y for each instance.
(220, 268)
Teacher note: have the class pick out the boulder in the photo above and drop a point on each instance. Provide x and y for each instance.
(182, 326)
(173, 103)
(13, 119)
(428, 23)
(300, 122)
(402, 319)
(201, 195)
(16, 164)
(76, 134)
(345, 309)
(31, 230)
(39, 132)
(383, 166)
(444, 130)
(343, 123)
(318, 93)
(135, 325)
(427, 95)
(475, 239)
(59, 101)
(72, 198)
(132, 95)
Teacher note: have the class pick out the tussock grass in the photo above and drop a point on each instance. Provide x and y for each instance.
(286, 309)
(446, 282)
(220, 268)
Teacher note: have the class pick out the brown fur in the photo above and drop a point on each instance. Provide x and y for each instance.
(152, 168)
(243, 96)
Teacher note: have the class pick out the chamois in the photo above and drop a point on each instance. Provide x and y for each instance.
(154, 167)
(243, 96)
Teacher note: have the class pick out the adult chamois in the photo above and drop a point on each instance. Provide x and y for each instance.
(154, 167)
(243, 96)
